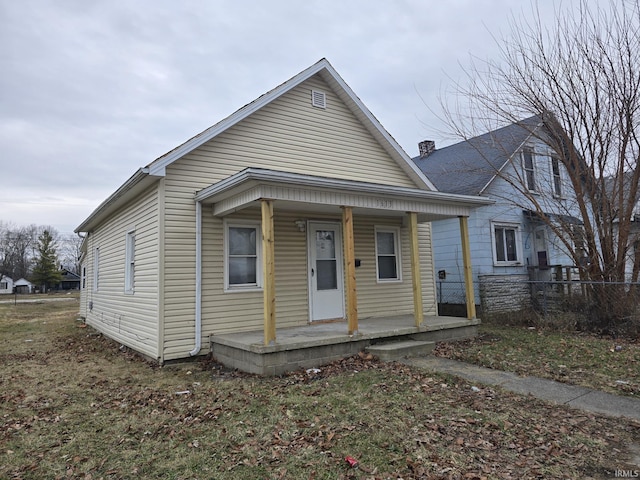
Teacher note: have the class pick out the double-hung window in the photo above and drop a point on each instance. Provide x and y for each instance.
(243, 261)
(506, 248)
(556, 177)
(96, 268)
(529, 167)
(130, 261)
(388, 254)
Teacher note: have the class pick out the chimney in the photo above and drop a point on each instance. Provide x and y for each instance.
(426, 148)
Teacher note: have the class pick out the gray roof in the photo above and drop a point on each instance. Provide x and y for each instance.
(467, 167)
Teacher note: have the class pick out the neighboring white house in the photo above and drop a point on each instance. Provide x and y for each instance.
(23, 286)
(6, 285)
(509, 243)
(298, 208)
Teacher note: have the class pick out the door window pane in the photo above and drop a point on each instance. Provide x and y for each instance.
(327, 275)
(325, 244)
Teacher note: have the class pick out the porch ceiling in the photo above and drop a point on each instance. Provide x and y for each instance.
(293, 191)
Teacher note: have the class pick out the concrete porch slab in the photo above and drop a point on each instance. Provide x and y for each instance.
(314, 345)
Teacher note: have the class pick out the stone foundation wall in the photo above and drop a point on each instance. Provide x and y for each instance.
(504, 293)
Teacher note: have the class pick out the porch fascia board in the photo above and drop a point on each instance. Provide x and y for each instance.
(250, 185)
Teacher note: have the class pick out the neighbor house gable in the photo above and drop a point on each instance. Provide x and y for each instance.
(471, 166)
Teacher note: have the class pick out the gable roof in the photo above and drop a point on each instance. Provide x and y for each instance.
(142, 178)
(339, 87)
(470, 166)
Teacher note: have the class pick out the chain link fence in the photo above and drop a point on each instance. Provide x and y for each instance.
(603, 307)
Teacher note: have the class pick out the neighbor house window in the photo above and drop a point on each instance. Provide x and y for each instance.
(528, 166)
(130, 261)
(4, 285)
(243, 262)
(505, 244)
(388, 254)
(557, 177)
(96, 268)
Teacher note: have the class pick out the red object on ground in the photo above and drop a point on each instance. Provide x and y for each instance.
(353, 463)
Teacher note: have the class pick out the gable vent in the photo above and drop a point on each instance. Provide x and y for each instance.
(318, 99)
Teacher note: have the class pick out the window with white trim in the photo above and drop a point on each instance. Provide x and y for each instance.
(96, 268)
(506, 244)
(4, 285)
(130, 261)
(529, 167)
(388, 267)
(556, 177)
(243, 256)
(84, 277)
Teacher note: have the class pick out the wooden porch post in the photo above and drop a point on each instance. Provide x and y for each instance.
(468, 273)
(416, 278)
(350, 269)
(269, 283)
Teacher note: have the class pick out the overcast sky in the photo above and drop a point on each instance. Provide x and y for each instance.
(91, 90)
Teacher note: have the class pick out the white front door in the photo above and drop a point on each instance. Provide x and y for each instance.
(326, 280)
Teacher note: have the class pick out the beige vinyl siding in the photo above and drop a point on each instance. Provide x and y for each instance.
(130, 319)
(427, 270)
(291, 135)
(377, 299)
(288, 134)
(225, 312)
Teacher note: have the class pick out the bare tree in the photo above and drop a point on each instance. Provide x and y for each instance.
(581, 75)
(69, 251)
(16, 249)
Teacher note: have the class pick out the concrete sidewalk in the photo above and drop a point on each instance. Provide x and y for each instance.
(576, 397)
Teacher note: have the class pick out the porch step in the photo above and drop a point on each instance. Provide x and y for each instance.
(396, 350)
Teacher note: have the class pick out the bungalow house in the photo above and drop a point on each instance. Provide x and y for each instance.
(519, 237)
(69, 280)
(6, 284)
(286, 235)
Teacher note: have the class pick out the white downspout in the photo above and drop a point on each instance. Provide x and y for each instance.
(198, 333)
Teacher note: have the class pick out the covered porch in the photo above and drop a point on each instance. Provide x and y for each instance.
(326, 209)
(317, 344)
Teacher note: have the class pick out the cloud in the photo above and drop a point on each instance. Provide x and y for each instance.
(93, 90)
